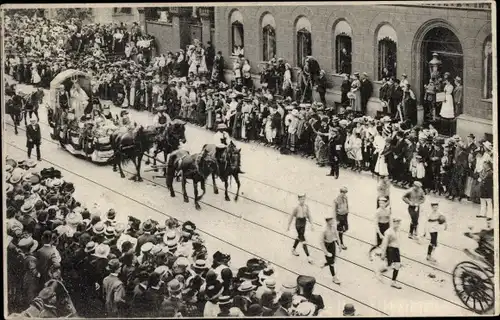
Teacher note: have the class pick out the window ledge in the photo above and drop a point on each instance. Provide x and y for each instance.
(122, 14)
(490, 100)
(164, 23)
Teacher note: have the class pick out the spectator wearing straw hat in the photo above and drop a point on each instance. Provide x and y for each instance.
(31, 277)
(113, 290)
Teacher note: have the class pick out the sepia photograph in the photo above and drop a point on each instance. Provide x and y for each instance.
(253, 159)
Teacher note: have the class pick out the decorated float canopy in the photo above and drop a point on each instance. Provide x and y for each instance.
(66, 78)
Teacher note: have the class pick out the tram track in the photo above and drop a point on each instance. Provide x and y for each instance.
(56, 165)
(316, 248)
(280, 211)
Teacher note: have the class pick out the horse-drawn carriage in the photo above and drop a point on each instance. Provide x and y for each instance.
(474, 280)
(79, 128)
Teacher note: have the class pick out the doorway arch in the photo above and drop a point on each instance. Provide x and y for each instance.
(440, 37)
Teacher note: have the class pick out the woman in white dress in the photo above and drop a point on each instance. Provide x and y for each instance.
(384, 147)
(35, 77)
(447, 110)
(78, 100)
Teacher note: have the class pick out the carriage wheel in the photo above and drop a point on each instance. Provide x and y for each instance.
(474, 286)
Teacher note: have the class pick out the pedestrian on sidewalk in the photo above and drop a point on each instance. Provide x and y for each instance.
(33, 138)
(329, 241)
(414, 198)
(435, 222)
(390, 251)
(341, 211)
(301, 214)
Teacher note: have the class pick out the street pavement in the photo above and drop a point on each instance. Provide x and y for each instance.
(256, 224)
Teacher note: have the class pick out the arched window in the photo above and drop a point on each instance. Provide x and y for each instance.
(488, 69)
(387, 51)
(237, 39)
(343, 47)
(268, 37)
(304, 44)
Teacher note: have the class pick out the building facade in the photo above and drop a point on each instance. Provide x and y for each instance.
(395, 39)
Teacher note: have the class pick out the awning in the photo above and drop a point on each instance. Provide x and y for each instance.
(268, 20)
(65, 75)
(386, 31)
(303, 23)
(236, 16)
(343, 28)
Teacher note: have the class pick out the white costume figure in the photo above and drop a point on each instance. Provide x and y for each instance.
(35, 77)
(78, 100)
(447, 110)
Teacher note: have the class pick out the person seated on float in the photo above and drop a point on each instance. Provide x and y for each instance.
(485, 242)
(87, 125)
(222, 140)
(125, 123)
(162, 120)
(63, 97)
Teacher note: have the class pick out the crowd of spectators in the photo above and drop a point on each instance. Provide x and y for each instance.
(192, 85)
(134, 269)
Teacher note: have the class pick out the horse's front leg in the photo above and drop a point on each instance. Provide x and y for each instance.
(119, 161)
(195, 188)
(226, 185)
(165, 159)
(134, 177)
(148, 161)
(184, 192)
(216, 190)
(139, 163)
(237, 179)
(14, 119)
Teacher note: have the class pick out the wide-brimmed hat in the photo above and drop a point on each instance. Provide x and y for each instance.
(8, 168)
(99, 228)
(11, 162)
(69, 187)
(27, 207)
(28, 242)
(170, 236)
(74, 218)
(16, 175)
(30, 163)
(174, 287)
(147, 247)
(246, 286)
(111, 215)
(90, 247)
(110, 232)
(102, 251)
(349, 310)
(147, 226)
(199, 265)
(113, 265)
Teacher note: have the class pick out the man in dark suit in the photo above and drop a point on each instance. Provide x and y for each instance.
(458, 96)
(366, 91)
(398, 151)
(322, 85)
(209, 56)
(34, 138)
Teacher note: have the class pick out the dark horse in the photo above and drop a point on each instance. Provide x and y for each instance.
(131, 146)
(168, 141)
(196, 167)
(228, 165)
(31, 103)
(19, 105)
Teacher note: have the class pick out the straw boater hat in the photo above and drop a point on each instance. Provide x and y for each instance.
(102, 251)
(28, 242)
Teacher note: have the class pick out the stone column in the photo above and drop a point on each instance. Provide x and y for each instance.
(142, 19)
(205, 25)
(175, 13)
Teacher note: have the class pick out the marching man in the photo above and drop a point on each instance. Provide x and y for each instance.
(329, 241)
(301, 214)
(435, 223)
(390, 251)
